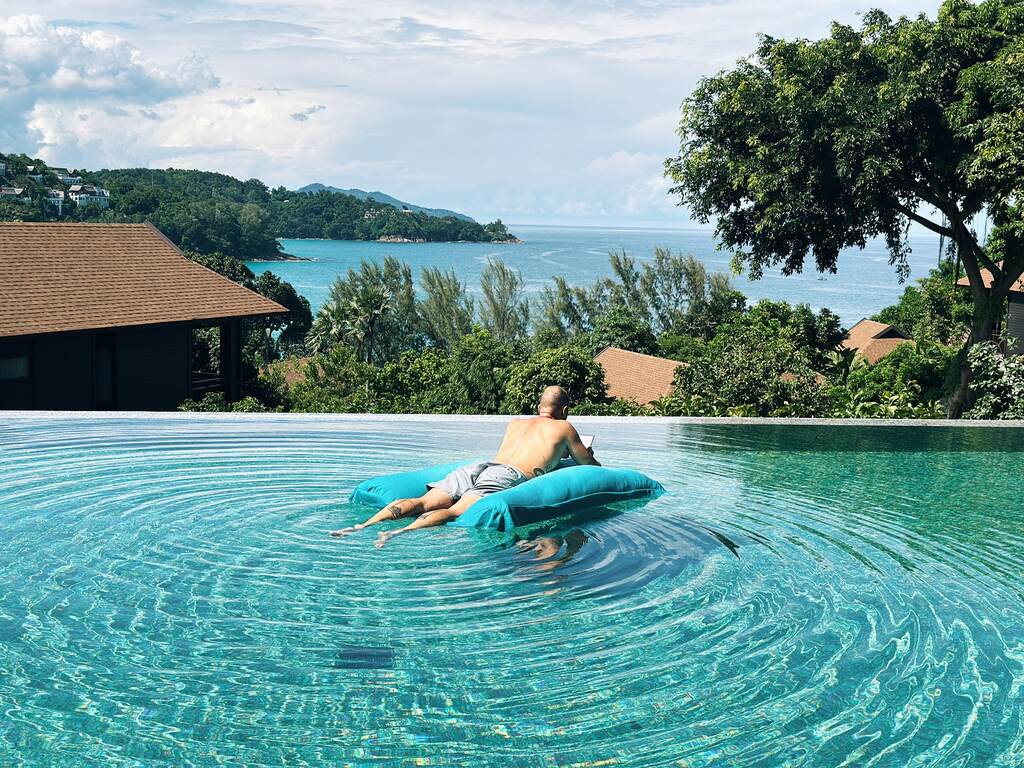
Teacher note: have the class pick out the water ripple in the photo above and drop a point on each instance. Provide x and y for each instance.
(799, 599)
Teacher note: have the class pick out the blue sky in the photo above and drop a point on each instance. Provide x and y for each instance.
(536, 111)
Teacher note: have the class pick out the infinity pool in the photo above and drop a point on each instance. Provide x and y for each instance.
(805, 596)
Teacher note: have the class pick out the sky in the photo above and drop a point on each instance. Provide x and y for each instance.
(536, 111)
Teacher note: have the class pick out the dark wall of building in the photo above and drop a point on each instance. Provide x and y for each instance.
(62, 372)
(152, 368)
(127, 369)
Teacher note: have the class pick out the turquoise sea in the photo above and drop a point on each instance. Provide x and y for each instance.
(865, 282)
(804, 597)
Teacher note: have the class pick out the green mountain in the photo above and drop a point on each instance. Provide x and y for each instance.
(214, 213)
(380, 197)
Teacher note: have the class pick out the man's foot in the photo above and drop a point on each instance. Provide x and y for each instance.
(383, 537)
(346, 531)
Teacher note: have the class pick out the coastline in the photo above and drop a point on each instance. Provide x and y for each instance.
(281, 257)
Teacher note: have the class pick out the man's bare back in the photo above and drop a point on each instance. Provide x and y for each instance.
(535, 445)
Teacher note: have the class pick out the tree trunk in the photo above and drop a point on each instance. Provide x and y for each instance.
(988, 307)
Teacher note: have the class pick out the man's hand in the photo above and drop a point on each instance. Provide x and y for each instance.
(581, 454)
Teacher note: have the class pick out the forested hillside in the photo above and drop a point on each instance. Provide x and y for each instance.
(212, 212)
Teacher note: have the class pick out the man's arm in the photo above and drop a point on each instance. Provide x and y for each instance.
(580, 453)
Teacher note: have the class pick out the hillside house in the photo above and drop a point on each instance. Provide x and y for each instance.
(87, 194)
(101, 316)
(872, 340)
(635, 376)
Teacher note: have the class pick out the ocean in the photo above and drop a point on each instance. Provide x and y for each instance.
(865, 282)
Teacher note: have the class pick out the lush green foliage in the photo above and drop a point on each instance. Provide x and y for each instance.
(468, 377)
(211, 212)
(808, 147)
(504, 309)
(933, 310)
(381, 348)
(570, 367)
(619, 327)
(756, 363)
(998, 383)
(372, 310)
(919, 368)
(669, 294)
(446, 310)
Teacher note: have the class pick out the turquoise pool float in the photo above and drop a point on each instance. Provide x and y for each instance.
(561, 492)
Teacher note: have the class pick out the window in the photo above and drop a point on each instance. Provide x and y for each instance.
(13, 368)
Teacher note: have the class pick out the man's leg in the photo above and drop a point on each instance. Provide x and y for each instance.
(433, 499)
(431, 519)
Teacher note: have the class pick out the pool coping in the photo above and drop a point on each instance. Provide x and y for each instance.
(342, 417)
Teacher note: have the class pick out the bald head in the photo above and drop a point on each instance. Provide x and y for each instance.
(554, 402)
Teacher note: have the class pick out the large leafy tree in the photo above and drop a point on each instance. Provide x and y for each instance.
(568, 367)
(809, 147)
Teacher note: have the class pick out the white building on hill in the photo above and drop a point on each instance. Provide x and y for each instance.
(66, 177)
(87, 194)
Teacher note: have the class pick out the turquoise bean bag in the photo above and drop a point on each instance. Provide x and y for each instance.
(557, 493)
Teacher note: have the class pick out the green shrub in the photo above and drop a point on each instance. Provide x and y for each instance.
(568, 367)
(922, 366)
(749, 368)
(997, 383)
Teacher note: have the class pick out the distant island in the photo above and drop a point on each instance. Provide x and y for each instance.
(210, 212)
(381, 197)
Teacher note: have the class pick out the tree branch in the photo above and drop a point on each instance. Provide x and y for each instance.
(927, 223)
(967, 238)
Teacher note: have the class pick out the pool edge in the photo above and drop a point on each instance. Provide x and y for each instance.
(341, 417)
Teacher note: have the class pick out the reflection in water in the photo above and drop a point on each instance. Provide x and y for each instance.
(554, 551)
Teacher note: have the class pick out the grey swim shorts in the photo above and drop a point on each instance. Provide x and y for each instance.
(481, 479)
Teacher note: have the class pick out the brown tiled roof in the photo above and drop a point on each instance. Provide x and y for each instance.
(873, 340)
(1018, 287)
(74, 277)
(636, 377)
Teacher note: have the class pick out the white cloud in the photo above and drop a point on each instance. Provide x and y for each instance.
(536, 109)
(623, 164)
(45, 67)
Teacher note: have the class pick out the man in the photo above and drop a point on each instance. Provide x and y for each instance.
(531, 447)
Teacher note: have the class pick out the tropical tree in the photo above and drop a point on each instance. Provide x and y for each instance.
(569, 367)
(754, 366)
(809, 147)
(619, 327)
(665, 293)
(934, 309)
(504, 309)
(372, 309)
(446, 310)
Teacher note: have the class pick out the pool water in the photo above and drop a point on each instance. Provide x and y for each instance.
(805, 596)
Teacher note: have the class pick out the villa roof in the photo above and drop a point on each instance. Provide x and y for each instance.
(873, 340)
(637, 377)
(986, 275)
(73, 277)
